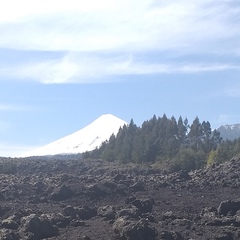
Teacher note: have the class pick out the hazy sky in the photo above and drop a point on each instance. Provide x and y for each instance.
(65, 63)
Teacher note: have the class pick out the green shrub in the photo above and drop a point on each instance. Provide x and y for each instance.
(188, 159)
(212, 157)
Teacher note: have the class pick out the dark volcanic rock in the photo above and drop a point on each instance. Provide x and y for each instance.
(229, 207)
(107, 212)
(62, 193)
(9, 224)
(224, 175)
(85, 238)
(80, 213)
(224, 235)
(132, 212)
(165, 235)
(2, 197)
(70, 211)
(47, 229)
(96, 190)
(134, 230)
(34, 227)
(168, 215)
(59, 220)
(138, 186)
(6, 234)
(144, 205)
(31, 224)
(86, 212)
(77, 223)
(93, 199)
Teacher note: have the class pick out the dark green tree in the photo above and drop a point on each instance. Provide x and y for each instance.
(182, 130)
(168, 141)
(138, 151)
(195, 134)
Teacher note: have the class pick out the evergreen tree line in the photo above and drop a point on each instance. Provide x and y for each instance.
(172, 143)
(227, 150)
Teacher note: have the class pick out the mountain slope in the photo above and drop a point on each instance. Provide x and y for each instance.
(230, 132)
(86, 139)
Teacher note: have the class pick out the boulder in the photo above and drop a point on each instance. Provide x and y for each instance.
(77, 223)
(47, 229)
(132, 212)
(86, 213)
(224, 235)
(59, 220)
(144, 205)
(62, 193)
(6, 234)
(229, 207)
(35, 228)
(96, 190)
(83, 213)
(138, 186)
(134, 230)
(168, 215)
(9, 224)
(31, 224)
(170, 235)
(2, 197)
(107, 212)
(70, 211)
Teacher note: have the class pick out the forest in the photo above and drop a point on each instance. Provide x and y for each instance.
(169, 143)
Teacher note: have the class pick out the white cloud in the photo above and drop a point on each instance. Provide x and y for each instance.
(192, 68)
(82, 68)
(101, 39)
(119, 25)
(12, 107)
(12, 10)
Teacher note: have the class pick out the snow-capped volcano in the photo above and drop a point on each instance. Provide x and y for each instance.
(86, 139)
(230, 132)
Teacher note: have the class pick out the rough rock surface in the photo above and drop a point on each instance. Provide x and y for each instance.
(95, 200)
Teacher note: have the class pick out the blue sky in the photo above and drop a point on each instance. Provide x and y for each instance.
(65, 63)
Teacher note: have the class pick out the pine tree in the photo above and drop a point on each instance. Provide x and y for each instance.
(138, 151)
(195, 134)
(167, 140)
(182, 130)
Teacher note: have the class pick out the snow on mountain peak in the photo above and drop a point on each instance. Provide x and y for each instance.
(232, 126)
(85, 139)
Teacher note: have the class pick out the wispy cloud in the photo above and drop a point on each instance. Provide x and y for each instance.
(103, 39)
(81, 26)
(13, 107)
(82, 68)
